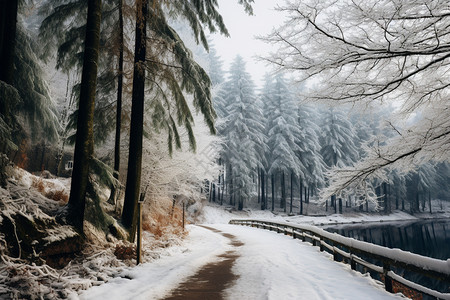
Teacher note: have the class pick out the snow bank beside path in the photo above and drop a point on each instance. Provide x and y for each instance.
(156, 279)
(274, 266)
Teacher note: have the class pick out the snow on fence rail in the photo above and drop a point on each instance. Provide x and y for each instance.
(347, 248)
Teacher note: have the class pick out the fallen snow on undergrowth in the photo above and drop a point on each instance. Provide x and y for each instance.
(22, 277)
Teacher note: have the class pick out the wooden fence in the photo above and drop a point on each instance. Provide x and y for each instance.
(386, 259)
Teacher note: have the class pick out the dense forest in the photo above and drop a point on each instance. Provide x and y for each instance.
(130, 102)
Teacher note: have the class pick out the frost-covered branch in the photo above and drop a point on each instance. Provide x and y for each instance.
(368, 53)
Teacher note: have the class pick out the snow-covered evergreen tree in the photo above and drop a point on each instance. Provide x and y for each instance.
(283, 132)
(338, 139)
(242, 130)
(310, 150)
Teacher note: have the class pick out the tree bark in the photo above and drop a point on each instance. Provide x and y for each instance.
(8, 29)
(273, 191)
(8, 26)
(113, 196)
(429, 201)
(132, 190)
(263, 196)
(259, 185)
(231, 189)
(283, 192)
(84, 144)
(292, 185)
(301, 195)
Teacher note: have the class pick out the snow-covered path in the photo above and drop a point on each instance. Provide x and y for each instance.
(269, 266)
(275, 266)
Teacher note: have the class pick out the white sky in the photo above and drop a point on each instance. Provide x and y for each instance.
(243, 29)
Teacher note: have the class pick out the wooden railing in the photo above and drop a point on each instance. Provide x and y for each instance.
(351, 251)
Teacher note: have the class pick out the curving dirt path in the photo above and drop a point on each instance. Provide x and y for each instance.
(213, 278)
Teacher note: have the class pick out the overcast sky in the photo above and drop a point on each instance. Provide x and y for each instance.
(243, 29)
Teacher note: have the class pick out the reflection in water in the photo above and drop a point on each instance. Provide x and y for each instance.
(429, 238)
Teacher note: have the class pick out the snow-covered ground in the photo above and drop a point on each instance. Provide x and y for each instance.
(215, 214)
(270, 266)
(155, 279)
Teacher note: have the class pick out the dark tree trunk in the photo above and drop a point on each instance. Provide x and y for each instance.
(273, 191)
(429, 201)
(340, 205)
(213, 192)
(113, 196)
(333, 200)
(231, 190)
(283, 192)
(267, 190)
(218, 187)
(240, 201)
(292, 185)
(259, 185)
(132, 190)
(8, 26)
(309, 189)
(8, 29)
(301, 196)
(223, 189)
(263, 195)
(84, 144)
(396, 199)
(386, 199)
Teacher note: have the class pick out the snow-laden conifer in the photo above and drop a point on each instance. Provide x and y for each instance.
(242, 129)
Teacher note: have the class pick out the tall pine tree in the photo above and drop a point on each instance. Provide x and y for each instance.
(243, 131)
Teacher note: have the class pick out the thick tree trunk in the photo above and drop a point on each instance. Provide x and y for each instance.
(8, 29)
(132, 190)
(8, 26)
(84, 144)
(113, 196)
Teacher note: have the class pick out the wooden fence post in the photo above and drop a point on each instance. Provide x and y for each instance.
(387, 279)
(352, 262)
